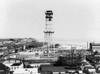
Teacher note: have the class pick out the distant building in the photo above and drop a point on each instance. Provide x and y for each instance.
(29, 55)
(38, 53)
(95, 47)
(72, 46)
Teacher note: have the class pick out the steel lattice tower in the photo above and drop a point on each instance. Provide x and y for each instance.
(49, 29)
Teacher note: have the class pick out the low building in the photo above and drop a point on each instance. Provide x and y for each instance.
(28, 55)
(21, 71)
(16, 66)
(57, 70)
(13, 64)
(26, 69)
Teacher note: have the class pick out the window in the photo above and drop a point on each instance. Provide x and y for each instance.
(11, 68)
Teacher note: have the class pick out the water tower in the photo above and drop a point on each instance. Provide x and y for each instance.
(48, 29)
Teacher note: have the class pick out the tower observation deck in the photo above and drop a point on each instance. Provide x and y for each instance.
(48, 29)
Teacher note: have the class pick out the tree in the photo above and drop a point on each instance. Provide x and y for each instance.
(91, 59)
(70, 60)
(96, 53)
(34, 44)
(57, 45)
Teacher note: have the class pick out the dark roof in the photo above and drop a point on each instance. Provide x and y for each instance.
(3, 67)
(38, 61)
(55, 69)
(16, 64)
(28, 66)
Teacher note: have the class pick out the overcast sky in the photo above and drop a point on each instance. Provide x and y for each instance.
(72, 19)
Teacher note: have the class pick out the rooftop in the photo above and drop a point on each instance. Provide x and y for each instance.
(16, 64)
(55, 69)
(3, 67)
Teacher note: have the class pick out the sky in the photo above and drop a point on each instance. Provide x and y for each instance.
(76, 20)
